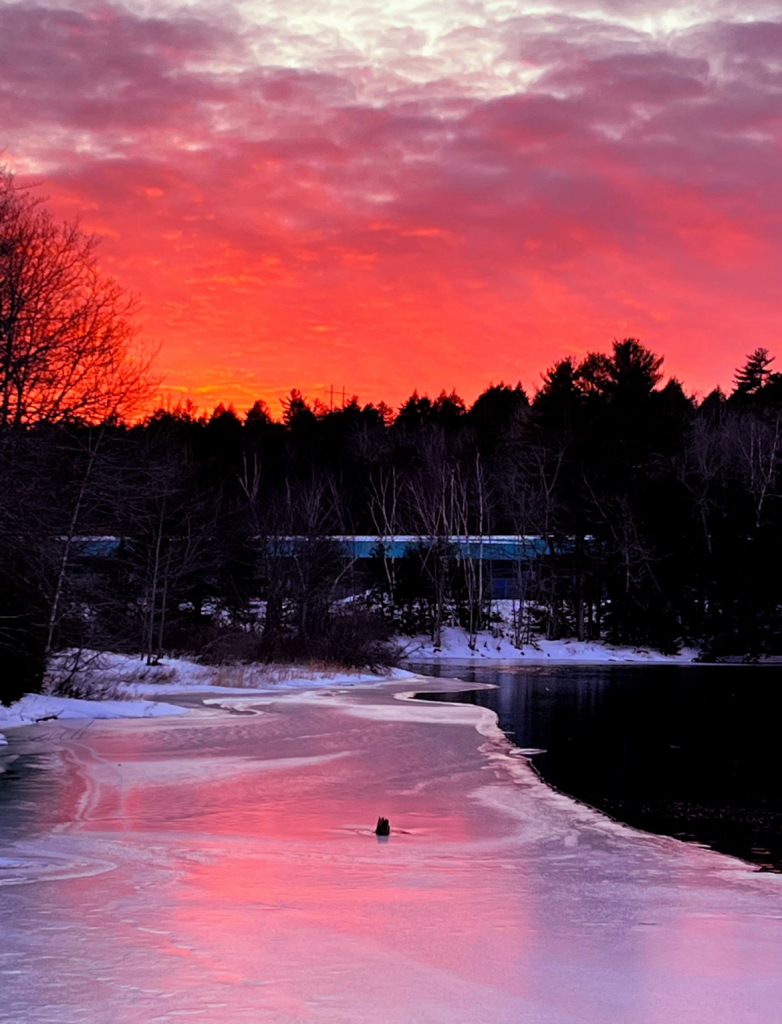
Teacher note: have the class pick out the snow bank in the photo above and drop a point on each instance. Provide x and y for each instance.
(130, 676)
(126, 674)
(489, 648)
(120, 682)
(40, 707)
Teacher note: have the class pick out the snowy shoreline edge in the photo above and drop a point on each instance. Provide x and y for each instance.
(133, 687)
(130, 689)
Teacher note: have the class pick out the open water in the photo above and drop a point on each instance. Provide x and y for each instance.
(692, 752)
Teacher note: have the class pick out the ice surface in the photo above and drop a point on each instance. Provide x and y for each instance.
(221, 866)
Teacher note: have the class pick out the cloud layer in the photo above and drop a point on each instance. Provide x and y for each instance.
(387, 197)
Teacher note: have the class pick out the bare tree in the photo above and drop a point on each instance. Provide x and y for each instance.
(91, 446)
(757, 443)
(471, 511)
(383, 498)
(431, 499)
(701, 468)
(65, 329)
(316, 507)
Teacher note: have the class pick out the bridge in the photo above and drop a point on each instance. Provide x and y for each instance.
(486, 547)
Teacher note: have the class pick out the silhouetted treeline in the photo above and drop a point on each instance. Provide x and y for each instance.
(660, 517)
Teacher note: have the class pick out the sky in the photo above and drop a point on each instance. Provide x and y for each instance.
(402, 194)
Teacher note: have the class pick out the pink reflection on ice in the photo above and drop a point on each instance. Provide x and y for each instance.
(247, 884)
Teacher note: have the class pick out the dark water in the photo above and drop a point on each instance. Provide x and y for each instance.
(692, 752)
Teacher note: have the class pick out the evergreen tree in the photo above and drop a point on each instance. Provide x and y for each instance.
(753, 375)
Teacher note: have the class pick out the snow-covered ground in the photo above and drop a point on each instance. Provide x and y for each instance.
(123, 687)
(39, 707)
(133, 677)
(489, 647)
(221, 866)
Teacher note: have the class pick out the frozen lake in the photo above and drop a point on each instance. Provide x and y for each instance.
(221, 866)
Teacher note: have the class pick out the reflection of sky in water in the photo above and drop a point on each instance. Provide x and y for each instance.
(247, 884)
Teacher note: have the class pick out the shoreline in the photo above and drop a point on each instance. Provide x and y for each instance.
(137, 691)
(130, 687)
(502, 663)
(742, 823)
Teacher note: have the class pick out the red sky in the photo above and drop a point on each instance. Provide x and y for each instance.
(412, 194)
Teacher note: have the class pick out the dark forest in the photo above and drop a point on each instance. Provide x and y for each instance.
(659, 517)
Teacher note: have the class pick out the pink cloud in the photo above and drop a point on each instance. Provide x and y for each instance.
(444, 233)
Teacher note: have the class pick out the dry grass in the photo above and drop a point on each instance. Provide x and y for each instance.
(258, 674)
(93, 675)
(157, 674)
